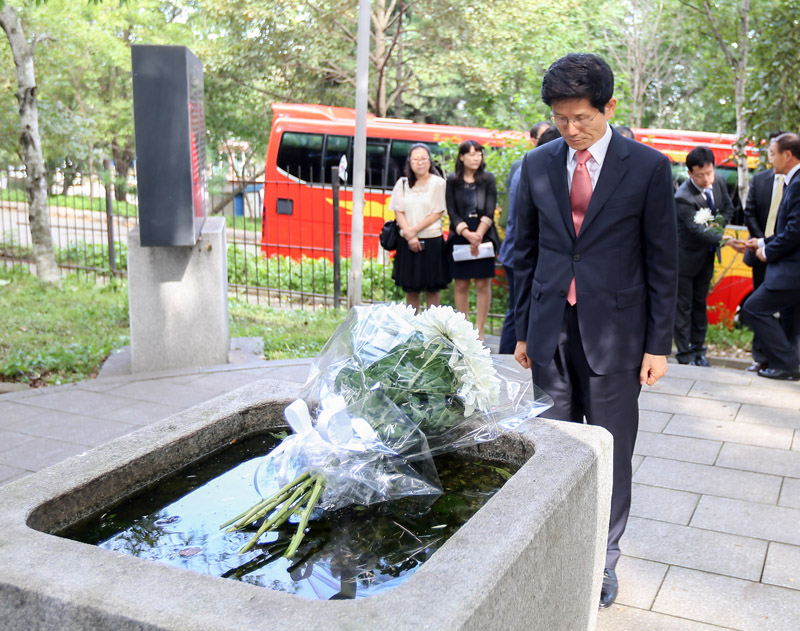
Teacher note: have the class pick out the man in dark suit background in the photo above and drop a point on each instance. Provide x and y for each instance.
(780, 290)
(697, 247)
(595, 269)
(763, 199)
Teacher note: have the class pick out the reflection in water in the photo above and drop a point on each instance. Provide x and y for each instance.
(354, 552)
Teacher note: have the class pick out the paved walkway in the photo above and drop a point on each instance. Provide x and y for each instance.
(713, 540)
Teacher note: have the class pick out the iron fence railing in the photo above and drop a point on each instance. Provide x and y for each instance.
(288, 265)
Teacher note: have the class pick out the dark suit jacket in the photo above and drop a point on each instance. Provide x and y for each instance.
(693, 239)
(624, 261)
(759, 197)
(486, 191)
(756, 211)
(783, 248)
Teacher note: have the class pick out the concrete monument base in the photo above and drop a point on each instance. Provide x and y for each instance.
(531, 558)
(178, 300)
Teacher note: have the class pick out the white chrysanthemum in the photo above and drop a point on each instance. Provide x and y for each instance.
(704, 217)
(480, 387)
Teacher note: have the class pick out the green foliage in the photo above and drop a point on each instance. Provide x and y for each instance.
(249, 268)
(287, 334)
(51, 336)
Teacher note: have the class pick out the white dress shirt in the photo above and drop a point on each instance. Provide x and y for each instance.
(595, 163)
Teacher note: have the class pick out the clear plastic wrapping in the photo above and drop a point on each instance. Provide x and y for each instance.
(389, 390)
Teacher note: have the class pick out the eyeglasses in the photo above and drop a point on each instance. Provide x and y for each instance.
(419, 160)
(581, 122)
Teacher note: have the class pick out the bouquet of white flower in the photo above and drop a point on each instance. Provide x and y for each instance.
(389, 390)
(711, 222)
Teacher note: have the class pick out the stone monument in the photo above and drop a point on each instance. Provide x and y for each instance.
(177, 256)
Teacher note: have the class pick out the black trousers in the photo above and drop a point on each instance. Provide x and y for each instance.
(609, 401)
(759, 269)
(691, 319)
(508, 336)
(758, 311)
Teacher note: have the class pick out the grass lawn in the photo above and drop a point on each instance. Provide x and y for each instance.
(50, 336)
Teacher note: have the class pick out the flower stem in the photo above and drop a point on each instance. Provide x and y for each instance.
(319, 486)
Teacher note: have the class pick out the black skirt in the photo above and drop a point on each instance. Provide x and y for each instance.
(476, 268)
(427, 270)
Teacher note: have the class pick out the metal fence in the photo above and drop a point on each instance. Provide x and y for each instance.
(90, 227)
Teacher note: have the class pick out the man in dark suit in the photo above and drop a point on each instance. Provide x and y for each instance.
(698, 244)
(595, 269)
(763, 199)
(780, 290)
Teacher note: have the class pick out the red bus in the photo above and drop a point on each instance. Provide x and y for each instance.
(306, 141)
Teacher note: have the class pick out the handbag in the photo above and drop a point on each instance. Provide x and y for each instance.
(390, 236)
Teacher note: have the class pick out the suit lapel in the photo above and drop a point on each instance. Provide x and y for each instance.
(611, 174)
(557, 172)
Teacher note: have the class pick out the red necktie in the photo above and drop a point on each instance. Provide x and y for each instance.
(579, 198)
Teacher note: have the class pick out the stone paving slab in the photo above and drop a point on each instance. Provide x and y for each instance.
(698, 478)
(78, 401)
(10, 439)
(764, 415)
(730, 431)
(673, 544)
(12, 411)
(72, 428)
(7, 473)
(650, 421)
(760, 459)
(671, 385)
(141, 413)
(749, 519)
(654, 502)
(165, 393)
(763, 395)
(696, 450)
(783, 566)
(642, 581)
(729, 602)
(687, 405)
(790, 493)
(38, 454)
(621, 618)
(713, 374)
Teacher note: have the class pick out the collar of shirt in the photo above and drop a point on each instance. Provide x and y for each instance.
(598, 151)
(791, 174)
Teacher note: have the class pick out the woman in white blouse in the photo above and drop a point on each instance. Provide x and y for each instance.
(418, 201)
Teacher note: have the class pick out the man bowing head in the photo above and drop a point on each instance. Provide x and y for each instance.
(596, 267)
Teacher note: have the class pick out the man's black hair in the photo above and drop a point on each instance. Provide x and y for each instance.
(579, 76)
(700, 156)
(788, 142)
(550, 134)
(537, 126)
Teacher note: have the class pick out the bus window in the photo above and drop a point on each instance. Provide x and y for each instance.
(376, 163)
(301, 155)
(335, 148)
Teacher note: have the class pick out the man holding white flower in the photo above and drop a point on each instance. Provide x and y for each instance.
(704, 208)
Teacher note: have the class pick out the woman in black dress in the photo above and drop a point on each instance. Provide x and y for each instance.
(471, 199)
(420, 263)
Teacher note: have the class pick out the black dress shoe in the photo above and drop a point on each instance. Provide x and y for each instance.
(756, 366)
(776, 373)
(701, 361)
(608, 592)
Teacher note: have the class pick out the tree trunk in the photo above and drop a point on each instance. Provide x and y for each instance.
(739, 85)
(36, 183)
(123, 159)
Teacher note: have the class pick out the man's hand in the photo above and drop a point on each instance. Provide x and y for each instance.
(736, 244)
(760, 255)
(752, 243)
(521, 354)
(653, 368)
